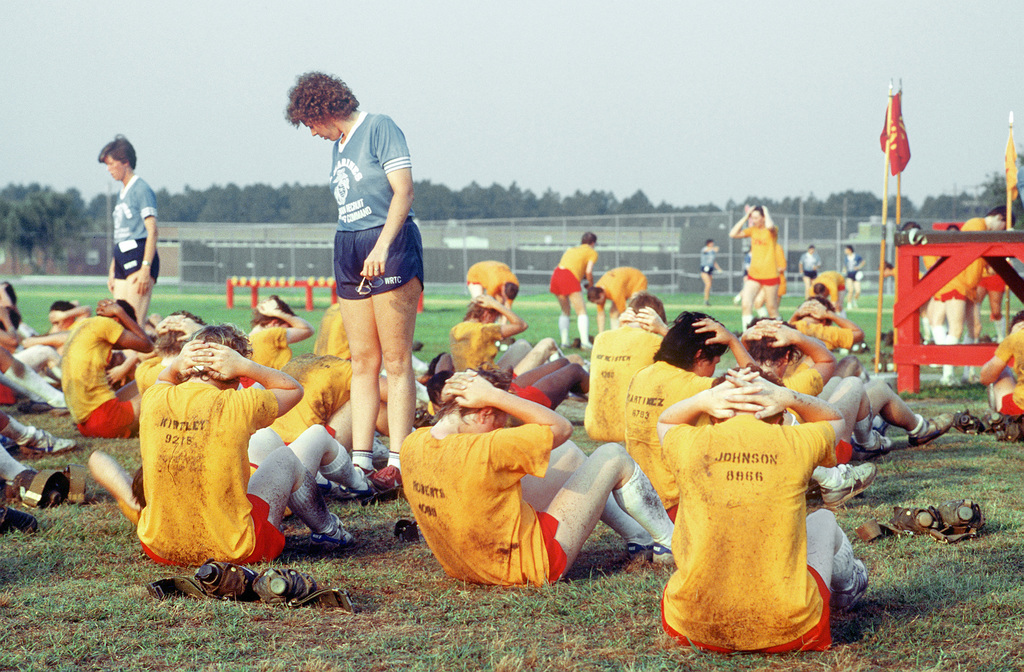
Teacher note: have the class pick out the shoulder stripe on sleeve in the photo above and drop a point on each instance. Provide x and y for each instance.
(397, 164)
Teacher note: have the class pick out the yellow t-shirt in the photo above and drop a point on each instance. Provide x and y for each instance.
(967, 280)
(780, 263)
(147, 371)
(835, 282)
(621, 283)
(652, 390)
(270, 347)
(616, 356)
(331, 338)
(195, 441)
(326, 383)
(84, 366)
(473, 344)
(492, 276)
(805, 380)
(1011, 351)
(465, 493)
(832, 336)
(762, 252)
(576, 259)
(740, 540)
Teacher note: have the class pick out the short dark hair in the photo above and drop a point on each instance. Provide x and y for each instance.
(11, 294)
(511, 290)
(119, 149)
(595, 294)
(589, 238)
(1019, 317)
(709, 241)
(60, 304)
(1000, 211)
(644, 299)
(682, 346)
(129, 309)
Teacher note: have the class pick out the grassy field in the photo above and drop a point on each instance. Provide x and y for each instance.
(73, 597)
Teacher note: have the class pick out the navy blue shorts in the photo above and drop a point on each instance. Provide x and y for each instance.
(812, 275)
(405, 261)
(707, 269)
(128, 259)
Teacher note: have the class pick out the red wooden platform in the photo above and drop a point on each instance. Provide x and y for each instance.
(957, 250)
(256, 283)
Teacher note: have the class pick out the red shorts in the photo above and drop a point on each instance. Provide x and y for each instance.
(530, 393)
(1008, 406)
(818, 638)
(269, 539)
(992, 283)
(844, 452)
(556, 555)
(114, 419)
(564, 283)
(672, 513)
(950, 295)
(766, 282)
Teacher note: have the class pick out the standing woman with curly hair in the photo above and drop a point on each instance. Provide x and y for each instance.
(135, 265)
(378, 256)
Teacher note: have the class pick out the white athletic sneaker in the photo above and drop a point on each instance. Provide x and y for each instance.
(846, 481)
(42, 441)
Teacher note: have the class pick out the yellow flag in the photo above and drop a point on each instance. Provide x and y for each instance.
(1011, 167)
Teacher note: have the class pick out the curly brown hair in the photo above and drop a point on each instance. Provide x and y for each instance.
(224, 334)
(317, 97)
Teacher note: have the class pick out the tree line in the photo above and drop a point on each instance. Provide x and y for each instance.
(38, 222)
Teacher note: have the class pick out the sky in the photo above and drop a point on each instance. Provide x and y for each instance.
(690, 102)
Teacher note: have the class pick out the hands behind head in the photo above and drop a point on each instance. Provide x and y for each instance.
(811, 309)
(647, 319)
(468, 389)
(181, 323)
(268, 307)
(708, 324)
(109, 308)
(210, 361)
(745, 391)
(777, 333)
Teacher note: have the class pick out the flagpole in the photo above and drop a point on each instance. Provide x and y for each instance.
(1009, 225)
(885, 219)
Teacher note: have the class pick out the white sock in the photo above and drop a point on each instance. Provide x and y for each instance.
(363, 459)
(17, 431)
(747, 319)
(862, 432)
(308, 504)
(624, 524)
(919, 427)
(762, 312)
(1000, 325)
(638, 498)
(563, 329)
(939, 334)
(33, 382)
(583, 325)
(9, 467)
(341, 470)
(394, 460)
(842, 567)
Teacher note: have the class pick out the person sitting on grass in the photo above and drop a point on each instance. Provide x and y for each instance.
(683, 366)
(1002, 373)
(474, 341)
(171, 334)
(275, 326)
(617, 355)
(755, 573)
(96, 409)
(513, 506)
(198, 499)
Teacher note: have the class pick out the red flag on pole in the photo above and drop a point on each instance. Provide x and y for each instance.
(894, 134)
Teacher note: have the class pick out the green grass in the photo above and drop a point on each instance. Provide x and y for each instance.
(73, 596)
